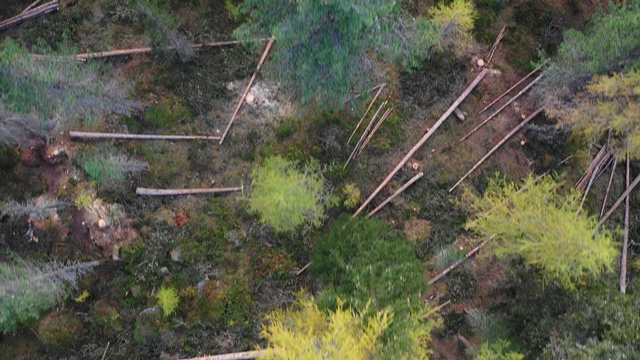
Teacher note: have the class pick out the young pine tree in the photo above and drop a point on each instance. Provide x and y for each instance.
(27, 289)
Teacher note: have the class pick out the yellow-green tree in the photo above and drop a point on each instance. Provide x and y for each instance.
(305, 332)
(607, 104)
(456, 20)
(544, 227)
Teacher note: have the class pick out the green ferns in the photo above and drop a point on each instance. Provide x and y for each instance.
(286, 197)
(168, 300)
(545, 228)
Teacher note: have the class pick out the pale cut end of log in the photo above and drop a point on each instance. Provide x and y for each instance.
(459, 114)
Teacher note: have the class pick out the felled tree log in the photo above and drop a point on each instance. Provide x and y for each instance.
(93, 135)
(172, 192)
(30, 14)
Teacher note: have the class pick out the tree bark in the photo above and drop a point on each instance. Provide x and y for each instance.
(620, 199)
(606, 194)
(501, 108)
(29, 14)
(171, 192)
(457, 263)
(93, 135)
(398, 192)
(366, 112)
(509, 90)
(375, 128)
(625, 244)
(426, 137)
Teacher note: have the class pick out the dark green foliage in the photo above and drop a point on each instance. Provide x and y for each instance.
(325, 50)
(27, 289)
(160, 28)
(365, 259)
(601, 324)
(166, 113)
(461, 285)
(610, 43)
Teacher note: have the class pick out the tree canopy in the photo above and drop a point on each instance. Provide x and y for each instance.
(327, 49)
(545, 228)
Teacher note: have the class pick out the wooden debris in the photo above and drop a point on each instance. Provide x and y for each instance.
(457, 263)
(365, 133)
(501, 108)
(105, 350)
(604, 155)
(459, 114)
(29, 14)
(495, 45)
(171, 192)
(33, 4)
(509, 90)
(625, 243)
(366, 112)
(424, 139)
(438, 308)
(246, 90)
(134, 51)
(606, 194)
(620, 199)
(398, 192)
(375, 128)
(234, 356)
(93, 135)
(304, 268)
(504, 139)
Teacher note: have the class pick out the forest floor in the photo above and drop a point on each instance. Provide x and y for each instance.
(212, 241)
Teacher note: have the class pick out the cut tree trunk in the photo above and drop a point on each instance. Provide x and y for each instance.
(625, 243)
(398, 192)
(501, 108)
(606, 194)
(366, 112)
(509, 90)
(365, 133)
(29, 14)
(495, 45)
(620, 199)
(234, 356)
(171, 192)
(504, 139)
(426, 137)
(134, 51)
(93, 135)
(246, 90)
(375, 128)
(457, 263)
(459, 114)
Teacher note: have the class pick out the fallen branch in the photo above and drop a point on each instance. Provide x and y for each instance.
(29, 14)
(105, 350)
(426, 137)
(134, 51)
(93, 135)
(170, 192)
(438, 308)
(246, 90)
(366, 113)
(594, 169)
(606, 194)
(620, 200)
(304, 268)
(495, 45)
(509, 90)
(457, 263)
(504, 139)
(30, 6)
(234, 356)
(398, 192)
(625, 243)
(365, 133)
(501, 108)
(375, 128)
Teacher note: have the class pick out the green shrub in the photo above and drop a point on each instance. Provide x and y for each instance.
(364, 259)
(83, 201)
(27, 289)
(166, 112)
(498, 350)
(168, 300)
(287, 198)
(106, 168)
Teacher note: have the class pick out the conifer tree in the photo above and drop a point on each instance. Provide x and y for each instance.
(545, 228)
